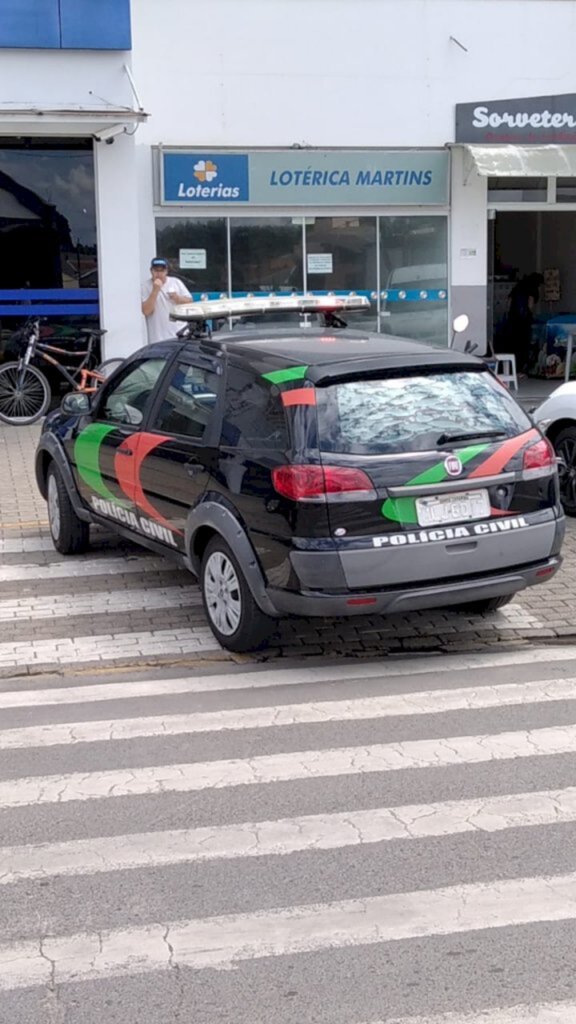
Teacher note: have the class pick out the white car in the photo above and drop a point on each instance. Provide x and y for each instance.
(556, 417)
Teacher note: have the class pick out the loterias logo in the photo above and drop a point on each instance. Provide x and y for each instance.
(205, 177)
(205, 170)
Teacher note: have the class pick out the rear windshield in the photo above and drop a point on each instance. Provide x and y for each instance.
(411, 413)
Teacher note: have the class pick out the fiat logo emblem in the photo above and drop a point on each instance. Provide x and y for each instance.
(452, 465)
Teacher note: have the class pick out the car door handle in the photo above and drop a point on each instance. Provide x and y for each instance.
(124, 451)
(194, 468)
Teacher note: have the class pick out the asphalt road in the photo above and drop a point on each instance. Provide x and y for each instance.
(348, 843)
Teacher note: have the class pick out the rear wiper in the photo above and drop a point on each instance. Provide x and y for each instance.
(472, 436)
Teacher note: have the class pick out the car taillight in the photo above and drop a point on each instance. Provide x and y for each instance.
(318, 483)
(539, 456)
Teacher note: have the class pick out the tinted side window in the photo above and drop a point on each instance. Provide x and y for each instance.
(253, 414)
(126, 400)
(189, 401)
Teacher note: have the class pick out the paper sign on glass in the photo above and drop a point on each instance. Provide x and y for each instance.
(192, 259)
(320, 263)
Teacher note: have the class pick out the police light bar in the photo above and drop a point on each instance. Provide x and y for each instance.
(212, 309)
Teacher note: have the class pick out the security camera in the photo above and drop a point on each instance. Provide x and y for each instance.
(109, 134)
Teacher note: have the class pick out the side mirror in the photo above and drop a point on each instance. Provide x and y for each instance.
(76, 403)
(460, 323)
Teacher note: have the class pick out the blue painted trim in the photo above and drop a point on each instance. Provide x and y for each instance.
(57, 294)
(65, 24)
(95, 25)
(29, 309)
(30, 24)
(415, 295)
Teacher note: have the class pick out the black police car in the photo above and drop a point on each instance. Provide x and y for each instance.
(321, 471)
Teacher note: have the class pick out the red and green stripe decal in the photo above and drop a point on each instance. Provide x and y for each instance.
(87, 458)
(126, 470)
(292, 396)
(286, 376)
(403, 510)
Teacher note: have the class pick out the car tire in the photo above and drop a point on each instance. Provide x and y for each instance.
(70, 535)
(487, 604)
(233, 615)
(565, 448)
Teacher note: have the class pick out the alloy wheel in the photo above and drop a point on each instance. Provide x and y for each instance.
(222, 593)
(53, 507)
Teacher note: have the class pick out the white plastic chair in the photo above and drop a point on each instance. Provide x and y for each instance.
(505, 368)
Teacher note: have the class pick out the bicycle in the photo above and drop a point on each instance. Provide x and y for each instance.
(25, 392)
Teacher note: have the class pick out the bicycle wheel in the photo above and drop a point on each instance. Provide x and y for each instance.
(24, 394)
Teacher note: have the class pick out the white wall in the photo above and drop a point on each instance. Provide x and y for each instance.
(340, 72)
(468, 247)
(347, 73)
(63, 78)
(119, 247)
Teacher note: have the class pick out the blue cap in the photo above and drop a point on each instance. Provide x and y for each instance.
(159, 262)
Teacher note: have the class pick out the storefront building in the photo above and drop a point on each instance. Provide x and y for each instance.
(68, 168)
(337, 147)
(519, 156)
(313, 221)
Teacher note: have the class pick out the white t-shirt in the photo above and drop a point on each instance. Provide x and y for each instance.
(159, 324)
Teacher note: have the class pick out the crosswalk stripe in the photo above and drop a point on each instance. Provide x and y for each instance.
(358, 671)
(427, 702)
(84, 566)
(306, 764)
(542, 1013)
(284, 836)
(219, 942)
(107, 602)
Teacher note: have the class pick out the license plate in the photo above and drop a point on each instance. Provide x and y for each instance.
(460, 507)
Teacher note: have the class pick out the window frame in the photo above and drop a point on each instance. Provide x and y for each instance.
(111, 385)
(211, 435)
(257, 447)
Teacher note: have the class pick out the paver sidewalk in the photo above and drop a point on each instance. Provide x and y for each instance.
(117, 605)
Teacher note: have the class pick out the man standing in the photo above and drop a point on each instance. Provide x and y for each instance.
(160, 294)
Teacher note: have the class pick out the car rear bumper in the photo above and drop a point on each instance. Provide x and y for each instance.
(419, 596)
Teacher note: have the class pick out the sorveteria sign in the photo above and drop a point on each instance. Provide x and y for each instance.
(307, 177)
(538, 119)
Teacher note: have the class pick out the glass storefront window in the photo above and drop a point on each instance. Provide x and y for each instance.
(413, 278)
(266, 254)
(336, 254)
(566, 190)
(47, 214)
(196, 250)
(341, 256)
(517, 190)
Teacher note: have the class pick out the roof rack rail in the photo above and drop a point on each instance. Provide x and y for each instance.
(214, 309)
